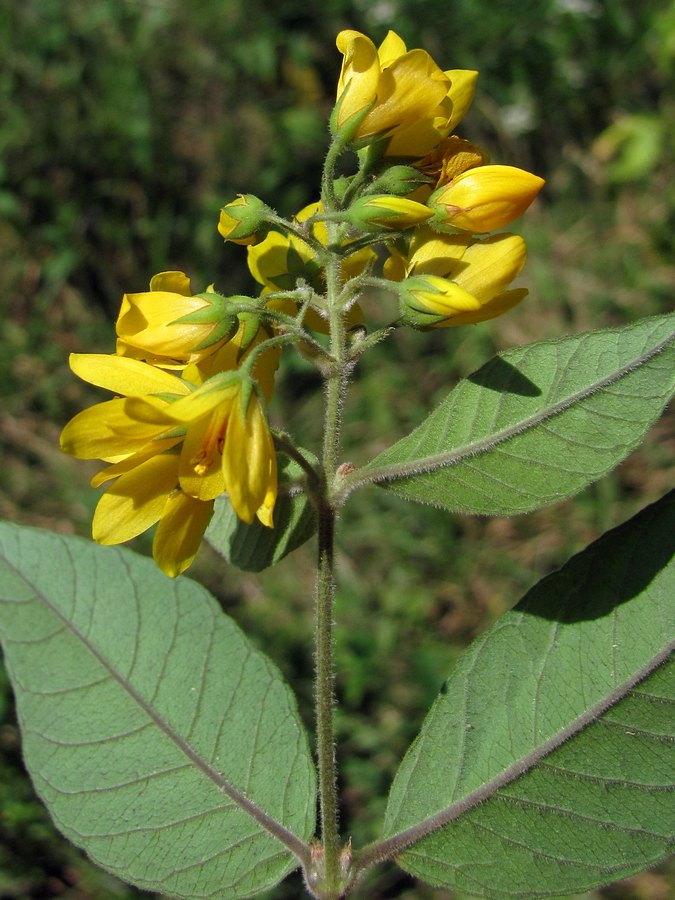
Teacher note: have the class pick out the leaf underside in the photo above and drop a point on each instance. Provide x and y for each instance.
(546, 764)
(536, 424)
(143, 707)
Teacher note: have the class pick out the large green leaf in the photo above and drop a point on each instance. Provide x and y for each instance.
(160, 740)
(546, 764)
(254, 547)
(535, 424)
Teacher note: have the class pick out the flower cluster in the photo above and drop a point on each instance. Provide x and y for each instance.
(193, 373)
(428, 195)
(174, 440)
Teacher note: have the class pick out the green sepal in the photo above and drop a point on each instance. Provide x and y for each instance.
(399, 179)
(251, 327)
(345, 133)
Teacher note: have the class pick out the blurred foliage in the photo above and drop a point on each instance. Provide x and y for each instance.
(126, 124)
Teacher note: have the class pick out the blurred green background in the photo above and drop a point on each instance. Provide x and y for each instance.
(126, 124)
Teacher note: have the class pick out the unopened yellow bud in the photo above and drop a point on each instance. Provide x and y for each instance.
(241, 220)
(485, 198)
(385, 211)
(428, 301)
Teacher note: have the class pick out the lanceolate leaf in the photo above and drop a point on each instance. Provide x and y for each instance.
(255, 547)
(536, 424)
(546, 764)
(160, 740)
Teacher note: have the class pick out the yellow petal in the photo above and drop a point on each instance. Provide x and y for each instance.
(410, 89)
(462, 90)
(417, 138)
(493, 308)
(491, 265)
(268, 261)
(443, 297)
(357, 263)
(432, 253)
(105, 431)
(129, 377)
(390, 49)
(265, 513)
(248, 467)
(154, 448)
(135, 501)
(180, 533)
(395, 266)
(201, 461)
(175, 282)
(360, 74)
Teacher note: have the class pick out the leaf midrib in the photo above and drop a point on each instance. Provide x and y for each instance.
(373, 474)
(399, 842)
(296, 846)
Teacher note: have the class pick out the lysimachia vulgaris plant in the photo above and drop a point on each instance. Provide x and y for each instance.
(169, 748)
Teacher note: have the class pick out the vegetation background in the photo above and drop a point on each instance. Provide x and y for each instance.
(126, 124)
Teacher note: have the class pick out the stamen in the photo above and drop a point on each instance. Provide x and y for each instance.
(212, 444)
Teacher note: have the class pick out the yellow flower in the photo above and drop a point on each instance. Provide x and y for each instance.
(227, 447)
(169, 326)
(172, 450)
(391, 92)
(485, 198)
(450, 280)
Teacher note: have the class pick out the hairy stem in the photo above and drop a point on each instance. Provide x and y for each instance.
(325, 698)
(325, 676)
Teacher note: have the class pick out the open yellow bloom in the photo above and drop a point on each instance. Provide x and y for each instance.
(451, 280)
(398, 94)
(228, 447)
(169, 326)
(485, 198)
(172, 450)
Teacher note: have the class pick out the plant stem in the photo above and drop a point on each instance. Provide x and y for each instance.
(325, 591)
(325, 698)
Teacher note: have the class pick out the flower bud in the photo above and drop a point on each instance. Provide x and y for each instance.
(385, 211)
(428, 301)
(400, 180)
(485, 198)
(241, 220)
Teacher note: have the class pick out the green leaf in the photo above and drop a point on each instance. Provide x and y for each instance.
(535, 424)
(546, 764)
(159, 739)
(255, 547)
